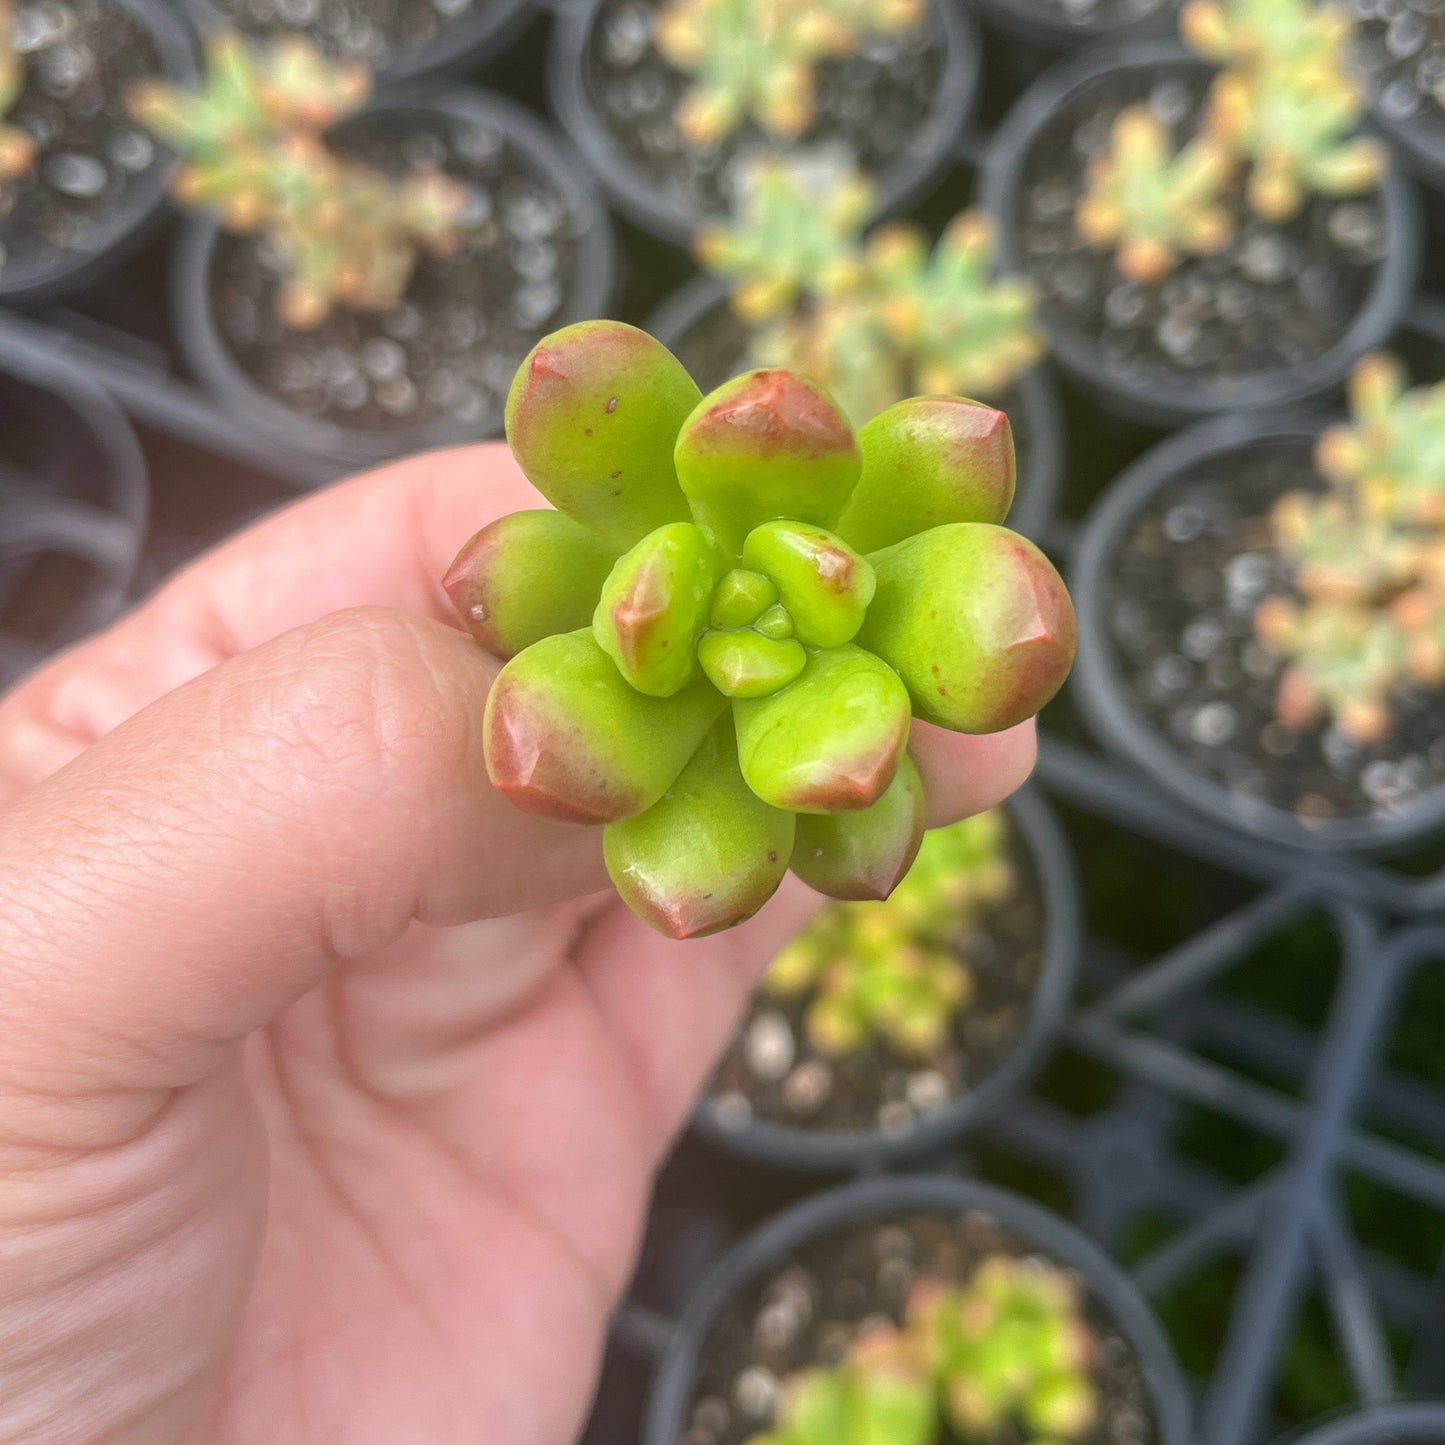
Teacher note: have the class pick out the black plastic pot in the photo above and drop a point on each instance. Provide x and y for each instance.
(278, 428)
(771, 1246)
(1099, 686)
(1419, 139)
(1038, 486)
(76, 486)
(58, 275)
(462, 45)
(1160, 402)
(781, 1147)
(631, 190)
(1399, 1424)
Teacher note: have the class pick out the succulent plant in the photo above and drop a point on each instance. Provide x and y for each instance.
(892, 969)
(1262, 34)
(871, 321)
(727, 684)
(1006, 1356)
(1151, 203)
(1294, 126)
(254, 154)
(962, 330)
(881, 1393)
(794, 231)
(17, 150)
(755, 59)
(1368, 561)
(1009, 1348)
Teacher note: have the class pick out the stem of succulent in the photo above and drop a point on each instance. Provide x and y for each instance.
(526, 576)
(735, 615)
(593, 416)
(708, 854)
(976, 622)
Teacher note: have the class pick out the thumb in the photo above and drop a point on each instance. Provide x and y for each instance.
(210, 860)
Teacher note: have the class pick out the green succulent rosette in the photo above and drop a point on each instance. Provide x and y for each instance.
(716, 644)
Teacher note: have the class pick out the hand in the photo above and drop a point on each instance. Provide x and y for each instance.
(331, 1086)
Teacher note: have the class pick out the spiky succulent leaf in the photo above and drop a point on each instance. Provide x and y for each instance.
(567, 737)
(593, 416)
(708, 854)
(864, 854)
(765, 445)
(976, 622)
(927, 461)
(526, 576)
(829, 741)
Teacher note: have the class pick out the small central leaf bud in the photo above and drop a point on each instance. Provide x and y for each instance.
(823, 583)
(775, 622)
(741, 598)
(746, 664)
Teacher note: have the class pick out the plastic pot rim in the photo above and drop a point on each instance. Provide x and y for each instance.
(1038, 489)
(1414, 1423)
(1044, 26)
(1188, 399)
(796, 1149)
(628, 185)
(466, 42)
(146, 203)
(774, 1242)
(112, 433)
(1098, 683)
(241, 396)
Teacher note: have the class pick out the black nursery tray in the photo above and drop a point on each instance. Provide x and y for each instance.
(1249, 1106)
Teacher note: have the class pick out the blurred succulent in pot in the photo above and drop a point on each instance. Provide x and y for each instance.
(1279, 118)
(1009, 1349)
(881, 1393)
(17, 150)
(251, 139)
(1368, 561)
(1151, 203)
(794, 232)
(717, 643)
(1006, 1356)
(755, 59)
(871, 320)
(892, 970)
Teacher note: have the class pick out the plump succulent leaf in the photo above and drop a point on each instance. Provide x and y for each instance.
(823, 585)
(864, 854)
(654, 606)
(831, 740)
(744, 662)
(592, 417)
(567, 737)
(708, 854)
(977, 623)
(927, 461)
(526, 576)
(765, 445)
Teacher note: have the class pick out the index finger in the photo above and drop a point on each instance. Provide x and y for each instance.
(384, 538)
